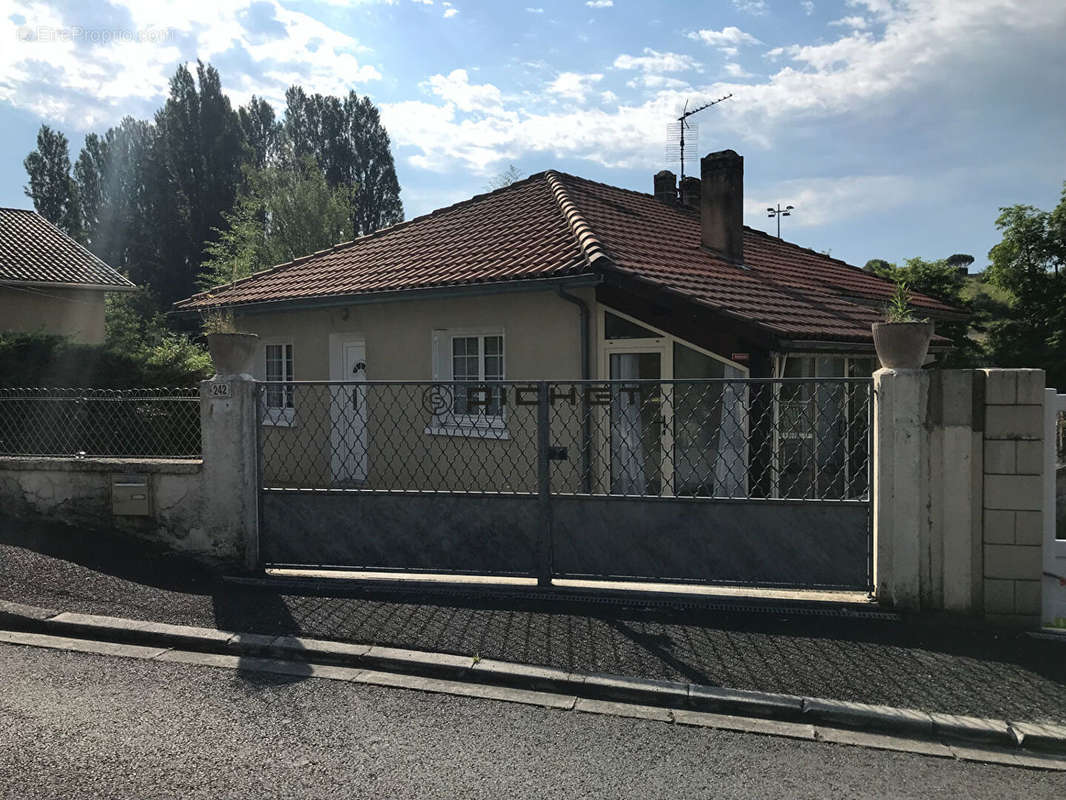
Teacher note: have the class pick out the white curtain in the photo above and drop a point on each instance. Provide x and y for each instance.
(627, 449)
(731, 466)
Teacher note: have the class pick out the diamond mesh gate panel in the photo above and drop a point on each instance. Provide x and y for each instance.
(805, 439)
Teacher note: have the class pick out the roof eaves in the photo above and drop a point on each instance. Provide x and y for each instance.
(573, 279)
(128, 286)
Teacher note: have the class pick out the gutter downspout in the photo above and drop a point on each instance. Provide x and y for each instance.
(586, 370)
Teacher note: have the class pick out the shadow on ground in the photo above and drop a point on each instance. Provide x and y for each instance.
(944, 667)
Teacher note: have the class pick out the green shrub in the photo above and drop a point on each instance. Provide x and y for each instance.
(139, 352)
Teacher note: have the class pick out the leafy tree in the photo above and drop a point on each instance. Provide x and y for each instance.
(943, 280)
(351, 147)
(283, 214)
(879, 266)
(139, 333)
(198, 151)
(1029, 263)
(262, 132)
(53, 190)
(149, 196)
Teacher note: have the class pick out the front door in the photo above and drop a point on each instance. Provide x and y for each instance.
(348, 411)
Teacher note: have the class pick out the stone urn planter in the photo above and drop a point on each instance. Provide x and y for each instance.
(902, 345)
(233, 353)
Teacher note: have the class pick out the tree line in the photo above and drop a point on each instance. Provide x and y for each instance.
(1017, 304)
(203, 192)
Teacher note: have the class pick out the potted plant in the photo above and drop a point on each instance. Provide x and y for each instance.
(232, 352)
(902, 340)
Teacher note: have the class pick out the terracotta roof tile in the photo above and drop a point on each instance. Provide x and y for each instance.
(33, 250)
(553, 225)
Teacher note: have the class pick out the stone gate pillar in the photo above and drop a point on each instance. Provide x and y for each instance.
(230, 484)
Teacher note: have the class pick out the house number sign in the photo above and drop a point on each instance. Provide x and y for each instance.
(220, 390)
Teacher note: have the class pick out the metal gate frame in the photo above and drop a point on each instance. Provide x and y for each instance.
(550, 544)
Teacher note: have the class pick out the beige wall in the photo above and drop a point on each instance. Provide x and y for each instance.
(540, 333)
(78, 313)
(541, 341)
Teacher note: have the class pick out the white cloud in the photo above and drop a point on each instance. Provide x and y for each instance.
(755, 7)
(924, 52)
(728, 40)
(857, 23)
(599, 3)
(734, 70)
(450, 12)
(656, 82)
(67, 78)
(534, 10)
(654, 61)
(807, 6)
(574, 85)
(455, 88)
(820, 201)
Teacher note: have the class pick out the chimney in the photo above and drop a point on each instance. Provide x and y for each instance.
(722, 204)
(690, 192)
(666, 187)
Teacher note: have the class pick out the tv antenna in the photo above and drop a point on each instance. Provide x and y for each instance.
(675, 132)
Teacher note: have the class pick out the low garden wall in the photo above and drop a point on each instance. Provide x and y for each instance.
(80, 493)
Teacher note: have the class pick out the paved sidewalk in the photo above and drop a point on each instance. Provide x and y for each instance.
(985, 673)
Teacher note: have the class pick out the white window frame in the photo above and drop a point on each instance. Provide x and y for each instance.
(449, 423)
(661, 343)
(279, 416)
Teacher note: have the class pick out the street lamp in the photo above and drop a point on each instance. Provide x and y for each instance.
(780, 212)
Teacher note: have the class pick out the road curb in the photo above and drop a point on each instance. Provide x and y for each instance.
(686, 699)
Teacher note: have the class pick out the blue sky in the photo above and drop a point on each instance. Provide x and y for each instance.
(896, 127)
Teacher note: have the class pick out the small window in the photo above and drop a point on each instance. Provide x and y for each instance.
(279, 400)
(477, 361)
(616, 327)
(474, 360)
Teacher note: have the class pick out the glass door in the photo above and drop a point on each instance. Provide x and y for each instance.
(637, 423)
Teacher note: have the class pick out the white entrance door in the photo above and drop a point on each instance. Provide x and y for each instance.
(348, 410)
(1054, 580)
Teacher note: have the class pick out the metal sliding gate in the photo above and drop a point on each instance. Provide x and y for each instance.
(760, 482)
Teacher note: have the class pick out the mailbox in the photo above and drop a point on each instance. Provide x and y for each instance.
(130, 495)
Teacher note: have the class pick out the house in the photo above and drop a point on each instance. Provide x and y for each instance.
(49, 282)
(560, 278)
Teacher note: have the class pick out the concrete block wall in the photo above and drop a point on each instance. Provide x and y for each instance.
(1012, 494)
(958, 491)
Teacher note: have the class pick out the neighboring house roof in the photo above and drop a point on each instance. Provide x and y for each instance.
(553, 225)
(34, 251)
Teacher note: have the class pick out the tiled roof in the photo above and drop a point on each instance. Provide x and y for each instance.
(553, 225)
(33, 250)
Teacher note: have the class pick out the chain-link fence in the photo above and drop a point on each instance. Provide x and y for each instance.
(134, 423)
(806, 439)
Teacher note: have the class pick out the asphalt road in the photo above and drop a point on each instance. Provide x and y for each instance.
(978, 672)
(75, 725)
